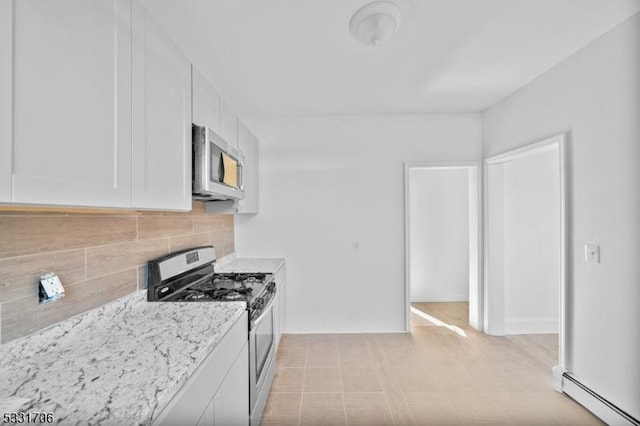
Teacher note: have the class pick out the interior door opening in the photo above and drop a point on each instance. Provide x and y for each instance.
(442, 245)
(525, 247)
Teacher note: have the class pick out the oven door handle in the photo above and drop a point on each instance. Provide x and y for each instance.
(265, 311)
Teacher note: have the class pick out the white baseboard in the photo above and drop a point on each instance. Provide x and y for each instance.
(342, 331)
(449, 298)
(605, 410)
(531, 326)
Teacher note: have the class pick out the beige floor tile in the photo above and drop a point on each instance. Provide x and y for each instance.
(432, 408)
(482, 416)
(325, 356)
(367, 409)
(532, 417)
(356, 363)
(351, 340)
(282, 408)
(428, 400)
(413, 380)
(294, 340)
(433, 376)
(360, 380)
(404, 357)
(292, 356)
(323, 409)
(288, 380)
(353, 351)
(322, 380)
(322, 341)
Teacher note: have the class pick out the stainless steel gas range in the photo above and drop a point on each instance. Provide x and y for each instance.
(189, 276)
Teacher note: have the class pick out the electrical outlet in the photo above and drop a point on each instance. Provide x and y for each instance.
(592, 253)
(50, 288)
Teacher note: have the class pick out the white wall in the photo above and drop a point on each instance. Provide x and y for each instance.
(494, 287)
(595, 95)
(439, 234)
(327, 183)
(532, 243)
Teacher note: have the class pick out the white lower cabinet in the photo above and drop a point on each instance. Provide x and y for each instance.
(225, 408)
(218, 392)
(229, 408)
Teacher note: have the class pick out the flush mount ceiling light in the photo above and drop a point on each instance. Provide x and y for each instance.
(375, 22)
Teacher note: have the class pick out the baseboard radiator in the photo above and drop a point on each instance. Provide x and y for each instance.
(605, 410)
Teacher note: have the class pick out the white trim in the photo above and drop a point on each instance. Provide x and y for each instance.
(346, 332)
(558, 141)
(557, 373)
(532, 326)
(593, 402)
(447, 298)
(526, 150)
(474, 168)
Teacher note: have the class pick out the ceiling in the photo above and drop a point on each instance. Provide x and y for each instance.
(296, 58)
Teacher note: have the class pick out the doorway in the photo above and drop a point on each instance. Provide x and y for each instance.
(442, 238)
(525, 244)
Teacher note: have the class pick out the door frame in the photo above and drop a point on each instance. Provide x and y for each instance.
(476, 264)
(560, 141)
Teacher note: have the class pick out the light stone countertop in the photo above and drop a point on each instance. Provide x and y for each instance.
(249, 265)
(117, 364)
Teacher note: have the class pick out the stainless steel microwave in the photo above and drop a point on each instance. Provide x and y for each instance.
(217, 167)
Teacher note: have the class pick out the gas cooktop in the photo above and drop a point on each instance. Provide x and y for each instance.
(226, 286)
(188, 276)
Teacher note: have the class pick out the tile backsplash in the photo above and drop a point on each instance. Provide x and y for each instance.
(99, 255)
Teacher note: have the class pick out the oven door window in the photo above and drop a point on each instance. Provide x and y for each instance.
(216, 166)
(263, 342)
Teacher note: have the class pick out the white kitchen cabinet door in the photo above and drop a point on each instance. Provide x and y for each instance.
(6, 101)
(206, 102)
(248, 145)
(71, 116)
(218, 388)
(161, 148)
(228, 124)
(231, 403)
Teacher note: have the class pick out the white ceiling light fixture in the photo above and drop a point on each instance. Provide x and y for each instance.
(375, 22)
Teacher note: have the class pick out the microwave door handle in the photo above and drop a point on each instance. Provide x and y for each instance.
(222, 176)
(241, 168)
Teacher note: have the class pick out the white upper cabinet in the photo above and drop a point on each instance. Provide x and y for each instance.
(66, 139)
(206, 102)
(248, 145)
(96, 106)
(161, 118)
(228, 124)
(6, 101)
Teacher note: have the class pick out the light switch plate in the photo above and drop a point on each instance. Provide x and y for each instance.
(592, 253)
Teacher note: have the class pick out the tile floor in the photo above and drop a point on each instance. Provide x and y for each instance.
(445, 374)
